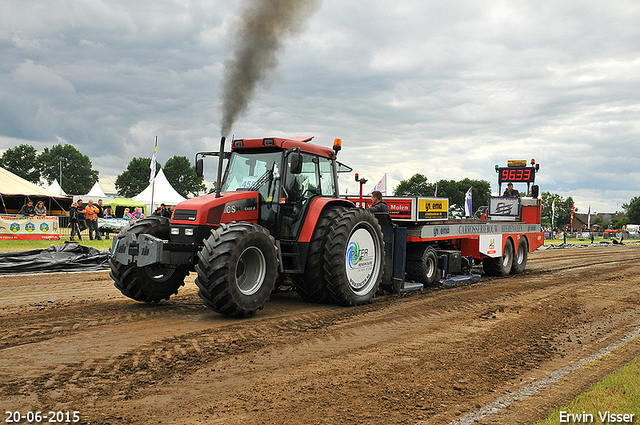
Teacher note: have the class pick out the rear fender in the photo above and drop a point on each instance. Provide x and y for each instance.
(313, 213)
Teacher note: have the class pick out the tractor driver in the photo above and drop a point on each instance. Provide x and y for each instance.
(510, 191)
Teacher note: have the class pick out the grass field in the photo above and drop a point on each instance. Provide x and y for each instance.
(618, 393)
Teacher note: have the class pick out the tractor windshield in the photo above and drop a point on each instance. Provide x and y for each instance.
(245, 169)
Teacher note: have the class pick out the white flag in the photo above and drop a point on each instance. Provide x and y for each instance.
(467, 203)
(152, 177)
(382, 185)
(589, 219)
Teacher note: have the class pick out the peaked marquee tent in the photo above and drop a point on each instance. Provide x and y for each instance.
(95, 193)
(96, 190)
(16, 191)
(56, 188)
(163, 193)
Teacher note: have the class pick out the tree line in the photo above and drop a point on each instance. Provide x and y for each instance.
(75, 170)
(418, 185)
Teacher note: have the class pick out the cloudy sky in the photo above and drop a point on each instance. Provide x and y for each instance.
(446, 89)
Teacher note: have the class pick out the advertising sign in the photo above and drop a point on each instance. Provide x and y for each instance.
(504, 206)
(399, 208)
(433, 208)
(28, 228)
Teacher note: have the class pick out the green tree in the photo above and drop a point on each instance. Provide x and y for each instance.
(562, 216)
(78, 176)
(135, 178)
(633, 210)
(417, 185)
(22, 161)
(183, 177)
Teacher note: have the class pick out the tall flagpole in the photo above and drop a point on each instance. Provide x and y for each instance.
(152, 178)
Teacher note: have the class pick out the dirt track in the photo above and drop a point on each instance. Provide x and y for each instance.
(72, 342)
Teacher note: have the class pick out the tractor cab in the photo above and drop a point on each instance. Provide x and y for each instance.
(512, 204)
(269, 181)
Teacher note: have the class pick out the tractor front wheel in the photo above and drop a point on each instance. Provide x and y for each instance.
(152, 283)
(237, 269)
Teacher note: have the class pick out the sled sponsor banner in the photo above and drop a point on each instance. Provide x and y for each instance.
(468, 229)
(504, 206)
(433, 208)
(399, 208)
(29, 227)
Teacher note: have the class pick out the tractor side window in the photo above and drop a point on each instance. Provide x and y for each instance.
(299, 188)
(303, 186)
(327, 183)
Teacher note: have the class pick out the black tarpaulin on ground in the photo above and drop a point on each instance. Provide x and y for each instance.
(68, 257)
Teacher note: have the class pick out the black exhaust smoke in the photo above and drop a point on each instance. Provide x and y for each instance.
(263, 27)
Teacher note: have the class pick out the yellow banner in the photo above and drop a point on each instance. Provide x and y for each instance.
(433, 208)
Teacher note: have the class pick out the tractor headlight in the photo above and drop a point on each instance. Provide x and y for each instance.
(188, 232)
(175, 231)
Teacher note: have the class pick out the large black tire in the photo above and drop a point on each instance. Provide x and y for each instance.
(500, 266)
(311, 285)
(422, 264)
(520, 258)
(237, 269)
(152, 283)
(354, 257)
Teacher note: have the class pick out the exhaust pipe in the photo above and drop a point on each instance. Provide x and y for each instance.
(220, 163)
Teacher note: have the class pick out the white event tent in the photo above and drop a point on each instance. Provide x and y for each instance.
(95, 193)
(56, 188)
(163, 193)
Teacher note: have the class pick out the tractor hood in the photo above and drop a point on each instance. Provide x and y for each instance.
(210, 210)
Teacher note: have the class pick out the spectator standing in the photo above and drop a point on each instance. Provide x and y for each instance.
(74, 221)
(167, 211)
(100, 212)
(91, 213)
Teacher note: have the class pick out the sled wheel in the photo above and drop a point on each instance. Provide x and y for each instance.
(237, 269)
(152, 283)
(311, 284)
(422, 265)
(520, 258)
(500, 266)
(354, 257)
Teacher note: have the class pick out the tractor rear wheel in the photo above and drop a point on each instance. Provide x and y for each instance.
(354, 257)
(311, 284)
(152, 283)
(500, 266)
(237, 269)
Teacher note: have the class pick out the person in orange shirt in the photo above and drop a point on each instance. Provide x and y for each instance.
(91, 213)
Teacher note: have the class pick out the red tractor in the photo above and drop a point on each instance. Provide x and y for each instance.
(277, 212)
